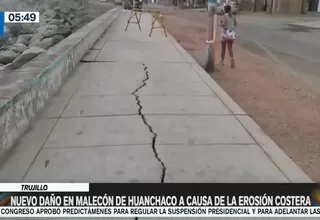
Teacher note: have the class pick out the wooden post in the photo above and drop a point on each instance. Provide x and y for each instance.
(157, 16)
(273, 6)
(134, 14)
(270, 7)
(254, 5)
(210, 40)
(304, 5)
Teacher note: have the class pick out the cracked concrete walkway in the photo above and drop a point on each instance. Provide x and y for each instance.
(140, 109)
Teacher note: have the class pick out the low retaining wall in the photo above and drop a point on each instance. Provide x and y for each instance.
(33, 85)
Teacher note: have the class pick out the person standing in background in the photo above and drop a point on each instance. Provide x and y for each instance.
(228, 35)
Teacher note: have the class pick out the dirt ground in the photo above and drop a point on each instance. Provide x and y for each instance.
(285, 108)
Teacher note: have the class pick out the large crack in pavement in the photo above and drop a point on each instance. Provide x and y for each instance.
(144, 119)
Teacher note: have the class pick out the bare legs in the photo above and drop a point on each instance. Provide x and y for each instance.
(223, 51)
(230, 44)
(224, 45)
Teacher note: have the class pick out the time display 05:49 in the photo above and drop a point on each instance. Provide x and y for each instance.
(21, 17)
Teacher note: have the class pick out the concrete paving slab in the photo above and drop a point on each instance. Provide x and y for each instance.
(21, 156)
(103, 70)
(183, 105)
(173, 79)
(285, 164)
(116, 78)
(195, 129)
(121, 84)
(309, 24)
(158, 36)
(223, 96)
(96, 164)
(99, 131)
(173, 72)
(143, 36)
(3, 101)
(219, 163)
(102, 40)
(183, 52)
(165, 87)
(60, 100)
(101, 106)
(139, 52)
(90, 56)
(56, 106)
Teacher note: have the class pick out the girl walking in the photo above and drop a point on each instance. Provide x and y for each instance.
(228, 35)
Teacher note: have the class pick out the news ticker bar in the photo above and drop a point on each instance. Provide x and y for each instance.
(20, 17)
(160, 212)
(144, 194)
(158, 200)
